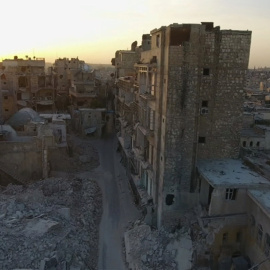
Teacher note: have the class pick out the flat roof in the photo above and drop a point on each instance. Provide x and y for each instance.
(230, 173)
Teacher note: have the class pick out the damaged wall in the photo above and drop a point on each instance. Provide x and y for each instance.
(23, 159)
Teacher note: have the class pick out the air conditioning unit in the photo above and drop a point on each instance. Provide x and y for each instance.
(204, 110)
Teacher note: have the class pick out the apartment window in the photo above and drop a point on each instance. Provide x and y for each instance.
(251, 144)
(259, 234)
(169, 199)
(206, 71)
(258, 144)
(201, 140)
(205, 103)
(225, 238)
(267, 245)
(231, 193)
(244, 144)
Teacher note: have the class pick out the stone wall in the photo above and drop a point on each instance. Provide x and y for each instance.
(206, 71)
(22, 159)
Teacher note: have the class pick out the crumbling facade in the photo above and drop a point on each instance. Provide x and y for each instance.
(25, 84)
(189, 96)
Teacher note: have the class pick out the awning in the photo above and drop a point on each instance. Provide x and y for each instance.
(90, 130)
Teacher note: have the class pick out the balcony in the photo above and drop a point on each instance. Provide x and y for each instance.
(147, 92)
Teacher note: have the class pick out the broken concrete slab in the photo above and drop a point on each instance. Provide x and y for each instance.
(38, 227)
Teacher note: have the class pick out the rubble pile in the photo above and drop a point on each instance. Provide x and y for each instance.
(149, 249)
(51, 224)
(183, 247)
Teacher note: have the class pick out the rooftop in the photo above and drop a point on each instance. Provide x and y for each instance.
(262, 197)
(230, 173)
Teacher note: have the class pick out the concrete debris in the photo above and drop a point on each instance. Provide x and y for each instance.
(50, 225)
(184, 247)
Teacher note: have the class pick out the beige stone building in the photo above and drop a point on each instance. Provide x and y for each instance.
(235, 212)
(23, 83)
(188, 91)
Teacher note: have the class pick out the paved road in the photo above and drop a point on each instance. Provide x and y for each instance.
(118, 206)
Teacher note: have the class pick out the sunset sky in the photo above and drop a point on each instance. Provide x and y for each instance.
(94, 30)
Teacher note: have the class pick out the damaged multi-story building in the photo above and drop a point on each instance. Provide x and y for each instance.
(24, 83)
(188, 92)
(181, 109)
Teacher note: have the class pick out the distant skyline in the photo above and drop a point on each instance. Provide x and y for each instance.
(93, 31)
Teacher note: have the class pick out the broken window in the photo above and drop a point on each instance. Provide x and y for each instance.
(259, 234)
(206, 71)
(231, 193)
(169, 199)
(267, 244)
(179, 35)
(157, 40)
(244, 143)
(258, 144)
(201, 140)
(251, 144)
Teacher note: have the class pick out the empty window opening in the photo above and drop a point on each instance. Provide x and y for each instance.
(157, 40)
(179, 35)
(169, 199)
(206, 71)
(258, 144)
(251, 144)
(225, 237)
(244, 144)
(5, 97)
(205, 103)
(201, 140)
(231, 193)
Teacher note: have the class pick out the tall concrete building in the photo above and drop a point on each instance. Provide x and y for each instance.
(189, 97)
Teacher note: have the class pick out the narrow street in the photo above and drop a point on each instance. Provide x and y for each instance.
(118, 205)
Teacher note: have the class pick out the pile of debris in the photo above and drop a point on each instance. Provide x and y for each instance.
(157, 249)
(51, 224)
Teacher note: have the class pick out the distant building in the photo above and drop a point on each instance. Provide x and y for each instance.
(23, 83)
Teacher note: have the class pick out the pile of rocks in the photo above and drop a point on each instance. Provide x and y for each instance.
(156, 249)
(51, 224)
